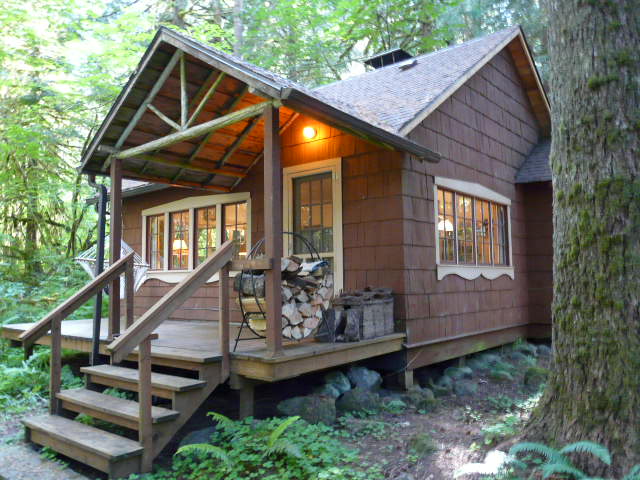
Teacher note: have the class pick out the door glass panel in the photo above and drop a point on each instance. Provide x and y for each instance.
(313, 212)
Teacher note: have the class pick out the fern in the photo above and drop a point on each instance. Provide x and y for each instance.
(549, 453)
(204, 449)
(284, 446)
(277, 432)
(594, 449)
(549, 469)
(222, 420)
(634, 473)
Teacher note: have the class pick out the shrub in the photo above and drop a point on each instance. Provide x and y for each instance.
(271, 449)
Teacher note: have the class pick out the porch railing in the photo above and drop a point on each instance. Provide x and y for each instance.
(140, 333)
(53, 320)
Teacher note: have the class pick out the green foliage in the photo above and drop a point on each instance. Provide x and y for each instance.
(502, 430)
(266, 449)
(394, 406)
(421, 444)
(502, 403)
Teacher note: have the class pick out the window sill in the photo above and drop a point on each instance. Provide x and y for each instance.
(470, 272)
(176, 276)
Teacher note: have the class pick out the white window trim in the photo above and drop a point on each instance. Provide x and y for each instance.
(190, 204)
(333, 165)
(470, 272)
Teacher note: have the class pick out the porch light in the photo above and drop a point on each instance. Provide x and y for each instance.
(309, 132)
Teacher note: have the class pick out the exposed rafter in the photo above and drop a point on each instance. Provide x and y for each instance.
(235, 100)
(193, 168)
(184, 96)
(196, 131)
(234, 146)
(143, 106)
(182, 183)
(258, 157)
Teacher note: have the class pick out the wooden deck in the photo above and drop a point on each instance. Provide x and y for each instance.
(192, 344)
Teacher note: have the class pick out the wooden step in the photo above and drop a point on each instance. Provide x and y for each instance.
(115, 455)
(163, 386)
(111, 409)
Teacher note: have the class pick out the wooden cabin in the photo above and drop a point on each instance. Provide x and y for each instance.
(425, 175)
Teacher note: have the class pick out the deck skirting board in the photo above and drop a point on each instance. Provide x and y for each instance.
(435, 351)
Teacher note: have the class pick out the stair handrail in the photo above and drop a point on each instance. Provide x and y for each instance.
(144, 326)
(53, 321)
(62, 311)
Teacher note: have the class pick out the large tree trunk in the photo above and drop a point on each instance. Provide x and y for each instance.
(594, 390)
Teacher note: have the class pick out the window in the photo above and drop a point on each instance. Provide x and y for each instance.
(472, 230)
(206, 233)
(235, 220)
(155, 241)
(180, 235)
(179, 238)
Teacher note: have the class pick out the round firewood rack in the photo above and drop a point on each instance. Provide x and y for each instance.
(256, 251)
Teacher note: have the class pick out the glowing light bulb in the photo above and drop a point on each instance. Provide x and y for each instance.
(309, 132)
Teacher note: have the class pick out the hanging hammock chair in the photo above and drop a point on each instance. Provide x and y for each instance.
(87, 261)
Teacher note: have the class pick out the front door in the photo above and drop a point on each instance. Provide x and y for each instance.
(313, 210)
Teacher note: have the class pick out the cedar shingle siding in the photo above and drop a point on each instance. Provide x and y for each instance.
(484, 131)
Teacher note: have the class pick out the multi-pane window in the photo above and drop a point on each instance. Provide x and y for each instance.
(179, 240)
(471, 231)
(313, 212)
(155, 241)
(235, 220)
(205, 233)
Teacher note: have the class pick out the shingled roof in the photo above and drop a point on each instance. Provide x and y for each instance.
(536, 167)
(396, 94)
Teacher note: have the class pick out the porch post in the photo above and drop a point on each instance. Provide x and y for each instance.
(273, 228)
(115, 244)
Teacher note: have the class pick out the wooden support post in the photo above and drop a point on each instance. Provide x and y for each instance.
(116, 243)
(247, 398)
(405, 378)
(145, 432)
(128, 281)
(273, 228)
(56, 365)
(223, 321)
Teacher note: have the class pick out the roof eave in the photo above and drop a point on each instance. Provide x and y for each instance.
(308, 105)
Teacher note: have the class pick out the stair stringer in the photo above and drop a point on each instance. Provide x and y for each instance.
(187, 403)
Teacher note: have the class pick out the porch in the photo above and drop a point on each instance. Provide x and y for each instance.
(191, 345)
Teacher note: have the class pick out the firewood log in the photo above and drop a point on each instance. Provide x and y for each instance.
(291, 313)
(305, 309)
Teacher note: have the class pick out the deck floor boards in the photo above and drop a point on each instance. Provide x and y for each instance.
(196, 342)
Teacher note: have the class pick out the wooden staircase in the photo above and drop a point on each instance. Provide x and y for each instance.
(118, 455)
(155, 425)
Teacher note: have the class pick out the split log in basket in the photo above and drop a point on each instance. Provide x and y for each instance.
(307, 290)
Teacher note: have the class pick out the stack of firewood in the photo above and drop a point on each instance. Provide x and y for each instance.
(307, 289)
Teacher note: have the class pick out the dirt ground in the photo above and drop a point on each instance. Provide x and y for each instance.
(455, 425)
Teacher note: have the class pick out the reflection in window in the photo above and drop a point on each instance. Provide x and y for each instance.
(155, 241)
(483, 233)
(446, 230)
(313, 212)
(499, 226)
(179, 237)
(205, 233)
(235, 219)
(466, 253)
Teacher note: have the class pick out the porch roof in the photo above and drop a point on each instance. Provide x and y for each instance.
(178, 74)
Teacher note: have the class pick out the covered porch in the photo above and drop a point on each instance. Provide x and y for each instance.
(193, 117)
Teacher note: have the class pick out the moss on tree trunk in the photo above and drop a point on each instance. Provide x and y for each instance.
(594, 390)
